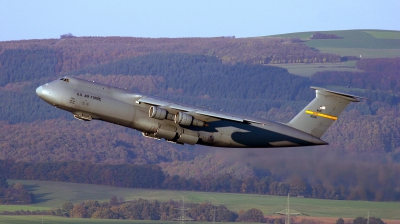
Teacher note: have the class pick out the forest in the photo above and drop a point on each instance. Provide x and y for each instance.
(40, 142)
(77, 53)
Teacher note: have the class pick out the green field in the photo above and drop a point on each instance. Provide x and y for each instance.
(383, 34)
(54, 194)
(367, 43)
(359, 43)
(309, 69)
(364, 52)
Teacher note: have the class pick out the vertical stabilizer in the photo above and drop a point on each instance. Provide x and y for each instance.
(320, 113)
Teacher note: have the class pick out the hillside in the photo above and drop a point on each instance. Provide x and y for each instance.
(364, 43)
(78, 52)
(227, 74)
(54, 194)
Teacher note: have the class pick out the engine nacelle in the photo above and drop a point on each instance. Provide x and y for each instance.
(198, 123)
(183, 119)
(166, 131)
(157, 113)
(188, 137)
(186, 119)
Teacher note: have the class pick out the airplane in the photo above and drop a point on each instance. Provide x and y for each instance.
(182, 124)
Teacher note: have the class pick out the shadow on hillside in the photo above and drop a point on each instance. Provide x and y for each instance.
(31, 187)
(39, 198)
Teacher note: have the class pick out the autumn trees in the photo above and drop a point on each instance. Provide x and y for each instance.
(362, 220)
(14, 193)
(3, 181)
(79, 52)
(319, 35)
(251, 215)
(135, 176)
(143, 209)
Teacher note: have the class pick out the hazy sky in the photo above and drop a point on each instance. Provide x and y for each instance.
(38, 19)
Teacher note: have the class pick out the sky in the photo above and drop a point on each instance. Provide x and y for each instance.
(43, 19)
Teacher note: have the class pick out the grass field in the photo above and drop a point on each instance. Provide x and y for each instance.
(13, 208)
(368, 43)
(54, 194)
(364, 52)
(384, 34)
(364, 43)
(307, 70)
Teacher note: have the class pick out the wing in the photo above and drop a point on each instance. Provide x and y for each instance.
(195, 112)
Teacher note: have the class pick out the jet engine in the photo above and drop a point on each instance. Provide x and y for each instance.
(188, 137)
(186, 119)
(160, 113)
(176, 135)
(157, 113)
(166, 131)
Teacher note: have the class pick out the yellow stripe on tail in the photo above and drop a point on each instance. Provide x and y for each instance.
(321, 115)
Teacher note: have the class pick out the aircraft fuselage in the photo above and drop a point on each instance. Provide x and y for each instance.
(89, 100)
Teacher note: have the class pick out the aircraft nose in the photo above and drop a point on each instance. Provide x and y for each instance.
(39, 91)
(46, 93)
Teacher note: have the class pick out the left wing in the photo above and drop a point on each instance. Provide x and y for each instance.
(195, 112)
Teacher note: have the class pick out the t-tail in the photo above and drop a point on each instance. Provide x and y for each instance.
(320, 113)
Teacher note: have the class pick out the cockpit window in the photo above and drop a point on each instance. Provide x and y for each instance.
(65, 79)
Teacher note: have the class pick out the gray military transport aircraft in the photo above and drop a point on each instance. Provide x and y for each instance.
(158, 118)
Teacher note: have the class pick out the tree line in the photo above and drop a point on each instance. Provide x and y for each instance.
(129, 175)
(142, 209)
(152, 177)
(79, 52)
(388, 65)
(378, 74)
(14, 193)
(319, 35)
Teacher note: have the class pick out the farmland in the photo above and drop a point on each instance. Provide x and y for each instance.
(54, 194)
(307, 70)
(367, 43)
